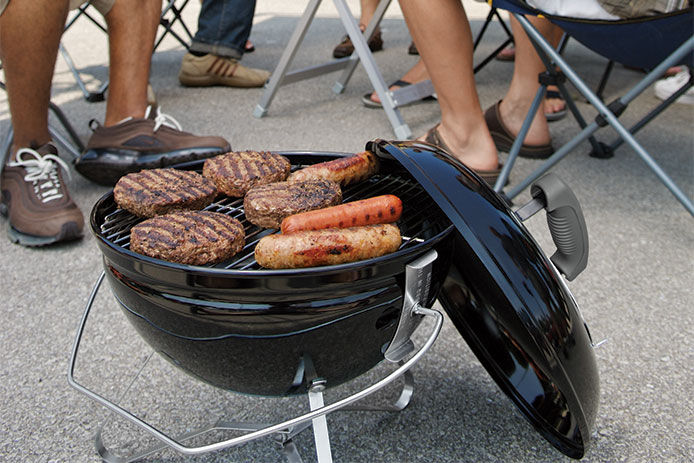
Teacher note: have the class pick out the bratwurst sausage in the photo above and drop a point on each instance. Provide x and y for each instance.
(344, 171)
(327, 247)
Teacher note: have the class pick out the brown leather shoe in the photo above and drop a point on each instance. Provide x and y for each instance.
(346, 48)
(137, 144)
(36, 200)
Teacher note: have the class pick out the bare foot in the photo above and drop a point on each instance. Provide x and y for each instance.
(553, 105)
(513, 116)
(474, 148)
(416, 74)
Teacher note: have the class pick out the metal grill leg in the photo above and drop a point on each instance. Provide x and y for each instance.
(320, 424)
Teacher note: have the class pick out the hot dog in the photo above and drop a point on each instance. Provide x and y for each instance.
(326, 247)
(372, 211)
(344, 171)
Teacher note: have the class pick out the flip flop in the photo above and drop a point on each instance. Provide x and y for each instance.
(503, 139)
(557, 115)
(369, 103)
(433, 138)
(507, 54)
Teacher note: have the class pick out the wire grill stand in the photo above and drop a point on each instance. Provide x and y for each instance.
(416, 291)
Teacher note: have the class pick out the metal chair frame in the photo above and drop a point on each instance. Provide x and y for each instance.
(171, 15)
(608, 115)
(391, 100)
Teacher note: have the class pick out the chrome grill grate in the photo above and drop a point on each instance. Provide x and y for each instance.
(421, 217)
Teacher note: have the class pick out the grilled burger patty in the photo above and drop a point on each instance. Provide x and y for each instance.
(327, 247)
(158, 191)
(237, 172)
(267, 205)
(189, 237)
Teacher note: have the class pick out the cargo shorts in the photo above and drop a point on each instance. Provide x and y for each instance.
(102, 5)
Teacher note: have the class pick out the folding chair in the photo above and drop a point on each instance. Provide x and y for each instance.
(653, 42)
(390, 99)
(170, 16)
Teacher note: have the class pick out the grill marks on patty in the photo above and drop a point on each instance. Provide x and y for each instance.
(155, 192)
(189, 237)
(237, 172)
(267, 205)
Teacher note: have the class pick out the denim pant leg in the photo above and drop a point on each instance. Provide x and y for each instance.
(223, 27)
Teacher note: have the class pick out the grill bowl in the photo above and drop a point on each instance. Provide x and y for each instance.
(270, 332)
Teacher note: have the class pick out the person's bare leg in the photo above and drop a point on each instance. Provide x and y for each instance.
(28, 65)
(417, 73)
(554, 35)
(524, 85)
(368, 8)
(132, 26)
(442, 34)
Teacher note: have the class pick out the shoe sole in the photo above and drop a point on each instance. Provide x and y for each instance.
(685, 98)
(210, 81)
(504, 144)
(106, 167)
(340, 54)
(369, 103)
(68, 232)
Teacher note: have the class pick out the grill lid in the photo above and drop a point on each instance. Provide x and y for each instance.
(508, 301)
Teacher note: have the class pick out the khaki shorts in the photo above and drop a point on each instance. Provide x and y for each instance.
(102, 5)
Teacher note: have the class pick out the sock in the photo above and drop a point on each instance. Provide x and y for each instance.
(197, 53)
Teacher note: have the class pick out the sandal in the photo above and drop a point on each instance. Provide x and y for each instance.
(433, 137)
(369, 103)
(503, 138)
(557, 115)
(508, 53)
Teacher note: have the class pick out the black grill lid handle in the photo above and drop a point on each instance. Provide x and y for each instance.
(565, 220)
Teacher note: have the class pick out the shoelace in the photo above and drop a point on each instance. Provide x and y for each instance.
(41, 168)
(162, 119)
(159, 120)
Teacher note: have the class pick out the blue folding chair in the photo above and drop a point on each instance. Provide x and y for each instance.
(653, 42)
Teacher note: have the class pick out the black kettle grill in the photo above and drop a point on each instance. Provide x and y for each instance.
(243, 328)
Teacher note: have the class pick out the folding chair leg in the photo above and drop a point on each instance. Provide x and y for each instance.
(6, 146)
(606, 114)
(90, 96)
(73, 144)
(168, 24)
(493, 13)
(518, 142)
(341, 84)
(655, 112)
(280, 76)
(603, 80)
(361, 48)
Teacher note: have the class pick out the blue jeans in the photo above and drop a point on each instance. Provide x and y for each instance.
(223, 27)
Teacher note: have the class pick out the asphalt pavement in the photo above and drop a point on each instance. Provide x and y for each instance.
(636, 293)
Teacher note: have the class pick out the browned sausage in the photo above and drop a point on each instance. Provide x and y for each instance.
(327, 247)
(372, 211)
(344, 171)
